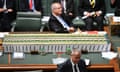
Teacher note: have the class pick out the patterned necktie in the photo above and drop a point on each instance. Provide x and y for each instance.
(92, 2)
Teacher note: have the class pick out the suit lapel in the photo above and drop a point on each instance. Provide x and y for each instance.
(70, 66)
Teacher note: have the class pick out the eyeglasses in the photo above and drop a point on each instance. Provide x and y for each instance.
(58, 8)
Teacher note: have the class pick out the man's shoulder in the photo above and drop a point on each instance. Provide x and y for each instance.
(52, 17)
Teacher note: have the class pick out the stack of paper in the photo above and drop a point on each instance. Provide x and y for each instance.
(116, 19)
(2, 34)
(18, 55)
(58, 60)
(109, 55)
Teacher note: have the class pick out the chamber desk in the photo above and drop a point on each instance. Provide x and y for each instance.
(34, 62)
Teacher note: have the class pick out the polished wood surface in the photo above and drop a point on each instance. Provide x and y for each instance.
(0, 41)
(48, 66)
(112, 22)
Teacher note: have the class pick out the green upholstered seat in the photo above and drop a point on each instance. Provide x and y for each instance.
(28, 21)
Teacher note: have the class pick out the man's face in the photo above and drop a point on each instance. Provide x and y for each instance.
(75, 58)
(58, 9)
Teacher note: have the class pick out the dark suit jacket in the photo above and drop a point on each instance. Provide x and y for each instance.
(117, 6)
(10, 4)
(56, 26)
(70, 6)
(24, 5)
(67, 66)
(84, 5)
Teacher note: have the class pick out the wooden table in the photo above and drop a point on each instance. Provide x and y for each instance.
(113, 64)
(112, 23)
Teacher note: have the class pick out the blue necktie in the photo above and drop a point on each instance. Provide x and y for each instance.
(65, 25)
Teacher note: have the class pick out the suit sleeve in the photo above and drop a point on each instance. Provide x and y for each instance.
(54, 26)
(39, 5)
(60, 68)
(103, 7)
(83, 66)
(80, 8)
(71, 7)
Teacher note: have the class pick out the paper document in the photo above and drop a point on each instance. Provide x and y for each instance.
(87, 61)
(109, 55)
(58, 60)
(45, 18)
(2, 34)
(18, 55)
(116, 19)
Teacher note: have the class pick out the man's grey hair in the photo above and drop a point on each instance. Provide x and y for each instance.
(75, 50)
(53, 5)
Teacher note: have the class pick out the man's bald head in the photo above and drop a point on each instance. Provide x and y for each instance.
(75, 56)
(56, 8)
(75, 52)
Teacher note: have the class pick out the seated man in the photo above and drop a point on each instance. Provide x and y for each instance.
(92, 10)
(116, 4)
(58, 22)
(68, 8)
(7, 14)
(74, 64)
(30, 5)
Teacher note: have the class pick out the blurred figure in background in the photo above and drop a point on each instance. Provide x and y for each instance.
(116, 4)
(7, 14)
(30, 6)
(92, 11)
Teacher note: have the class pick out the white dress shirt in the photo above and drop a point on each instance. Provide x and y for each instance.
(63, 2)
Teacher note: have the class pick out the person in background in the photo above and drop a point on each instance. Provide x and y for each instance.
(58, 22)
(92, 11)
(74, 64)
(7, 14)
(116, 4)
(68, 8)
(30, 6)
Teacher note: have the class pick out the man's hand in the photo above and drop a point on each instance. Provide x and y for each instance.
(2, 10)
(71, 29)
(87, 14)
(10, 10)
(70, 14)
(98, 13)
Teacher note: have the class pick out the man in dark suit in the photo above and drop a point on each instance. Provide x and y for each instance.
(116, 4)
(7, 14)
(30, 5)
(68, 8)
(58, 22)
(92, 10)
(74, 64)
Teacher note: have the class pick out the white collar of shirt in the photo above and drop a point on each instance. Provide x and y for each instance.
(4, 6)
(73, 66)
(64, 5)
